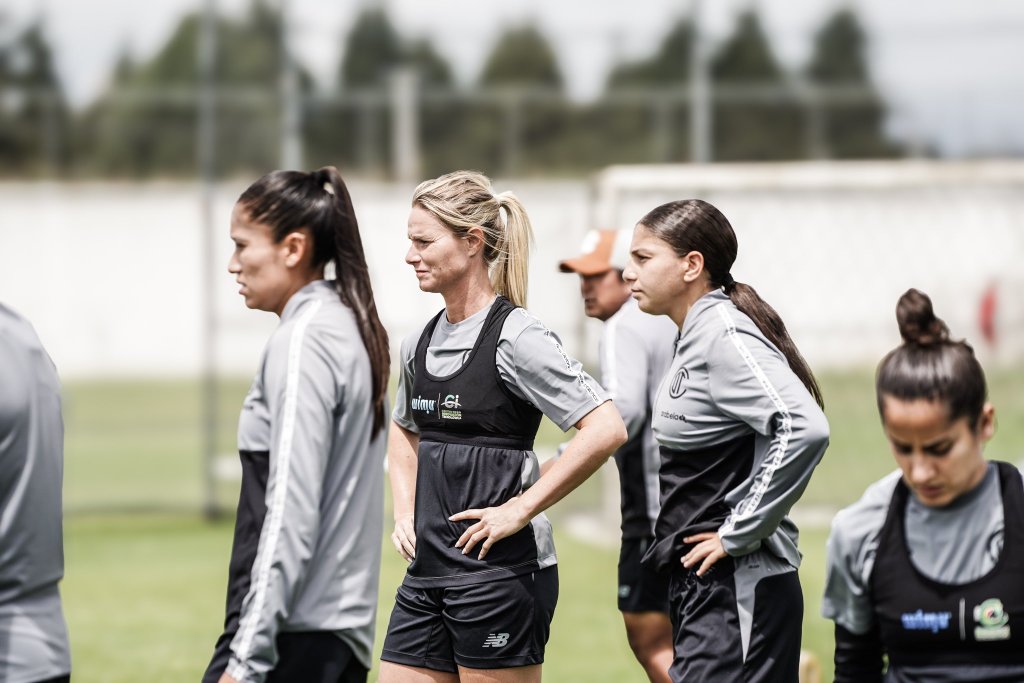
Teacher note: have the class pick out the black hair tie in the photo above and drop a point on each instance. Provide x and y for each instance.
(727, 282)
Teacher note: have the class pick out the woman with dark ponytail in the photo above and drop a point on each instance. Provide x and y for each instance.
(302, 585)
(927, 568)
(741, 429)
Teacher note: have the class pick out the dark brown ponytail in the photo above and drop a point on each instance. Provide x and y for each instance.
(929, 365)
(695, 225)
(319, 202)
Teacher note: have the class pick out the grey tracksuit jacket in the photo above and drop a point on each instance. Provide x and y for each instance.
(33, 635)
(740, 437)
(310, 409)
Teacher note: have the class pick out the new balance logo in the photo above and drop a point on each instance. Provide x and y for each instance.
(496, 640)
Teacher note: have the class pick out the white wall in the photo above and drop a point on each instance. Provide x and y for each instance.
(110, 274)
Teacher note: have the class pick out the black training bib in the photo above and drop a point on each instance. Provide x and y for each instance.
(476, 441)
(923, 622)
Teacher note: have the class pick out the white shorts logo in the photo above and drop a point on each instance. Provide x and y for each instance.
(496, 640)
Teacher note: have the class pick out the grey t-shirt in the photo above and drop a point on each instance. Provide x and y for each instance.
(635, 353)
(33, 634)
(954, 544)
(530, 360)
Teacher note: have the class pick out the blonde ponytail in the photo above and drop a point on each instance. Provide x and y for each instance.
(510, 273)
(465, 199)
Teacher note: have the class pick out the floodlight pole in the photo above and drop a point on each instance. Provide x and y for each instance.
(206, 143)
(291, 118)
(405, 147)
(700, 93)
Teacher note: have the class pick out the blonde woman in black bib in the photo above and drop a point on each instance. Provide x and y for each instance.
(477, 600)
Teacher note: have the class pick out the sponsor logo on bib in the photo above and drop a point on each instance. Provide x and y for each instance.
(450, 408)
(425, 405)
(992, 621)
(926, 621)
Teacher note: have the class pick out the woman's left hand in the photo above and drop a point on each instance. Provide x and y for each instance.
(708, 548)
(495, 524)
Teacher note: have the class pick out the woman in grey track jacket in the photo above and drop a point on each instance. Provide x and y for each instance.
(33, 633)
(302, 586)
(741, 429)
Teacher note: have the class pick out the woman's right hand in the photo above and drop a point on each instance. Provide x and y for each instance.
(402, 446)
(404, 537)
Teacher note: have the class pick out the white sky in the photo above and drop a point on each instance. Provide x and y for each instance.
(952, 70)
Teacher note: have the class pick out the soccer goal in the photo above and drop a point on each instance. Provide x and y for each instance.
(832, 245)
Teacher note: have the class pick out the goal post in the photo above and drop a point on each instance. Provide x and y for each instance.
(832, 245)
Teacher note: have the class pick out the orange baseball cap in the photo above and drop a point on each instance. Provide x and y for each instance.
(602, 250)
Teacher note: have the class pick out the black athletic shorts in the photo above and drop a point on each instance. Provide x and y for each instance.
(307, 656)
(493, 625)
(640, 589)
(741, 621)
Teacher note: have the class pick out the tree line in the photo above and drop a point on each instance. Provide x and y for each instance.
(514, 118)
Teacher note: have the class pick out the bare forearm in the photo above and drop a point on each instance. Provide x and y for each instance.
(600, 433)
(402, 447)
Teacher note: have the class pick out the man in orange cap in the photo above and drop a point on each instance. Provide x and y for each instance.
(635, 351)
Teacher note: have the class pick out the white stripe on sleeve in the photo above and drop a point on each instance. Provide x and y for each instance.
(765, 477)
(275, 518)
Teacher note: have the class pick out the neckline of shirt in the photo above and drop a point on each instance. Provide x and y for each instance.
(308, 291)
(706, 301)
(469, 321)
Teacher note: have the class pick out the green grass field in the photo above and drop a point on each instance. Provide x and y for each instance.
(144, 587)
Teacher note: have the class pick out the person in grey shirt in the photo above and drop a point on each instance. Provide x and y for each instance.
(33, 635)
(302, 587)
(480, 590)
(741, 429)
(926, 568)
(634, 352)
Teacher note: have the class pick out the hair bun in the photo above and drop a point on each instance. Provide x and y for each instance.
(917, 321)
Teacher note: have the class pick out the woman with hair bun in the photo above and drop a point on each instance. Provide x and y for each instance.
(927, 568)
(480, 591)
(302, 583)
(739, 422)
